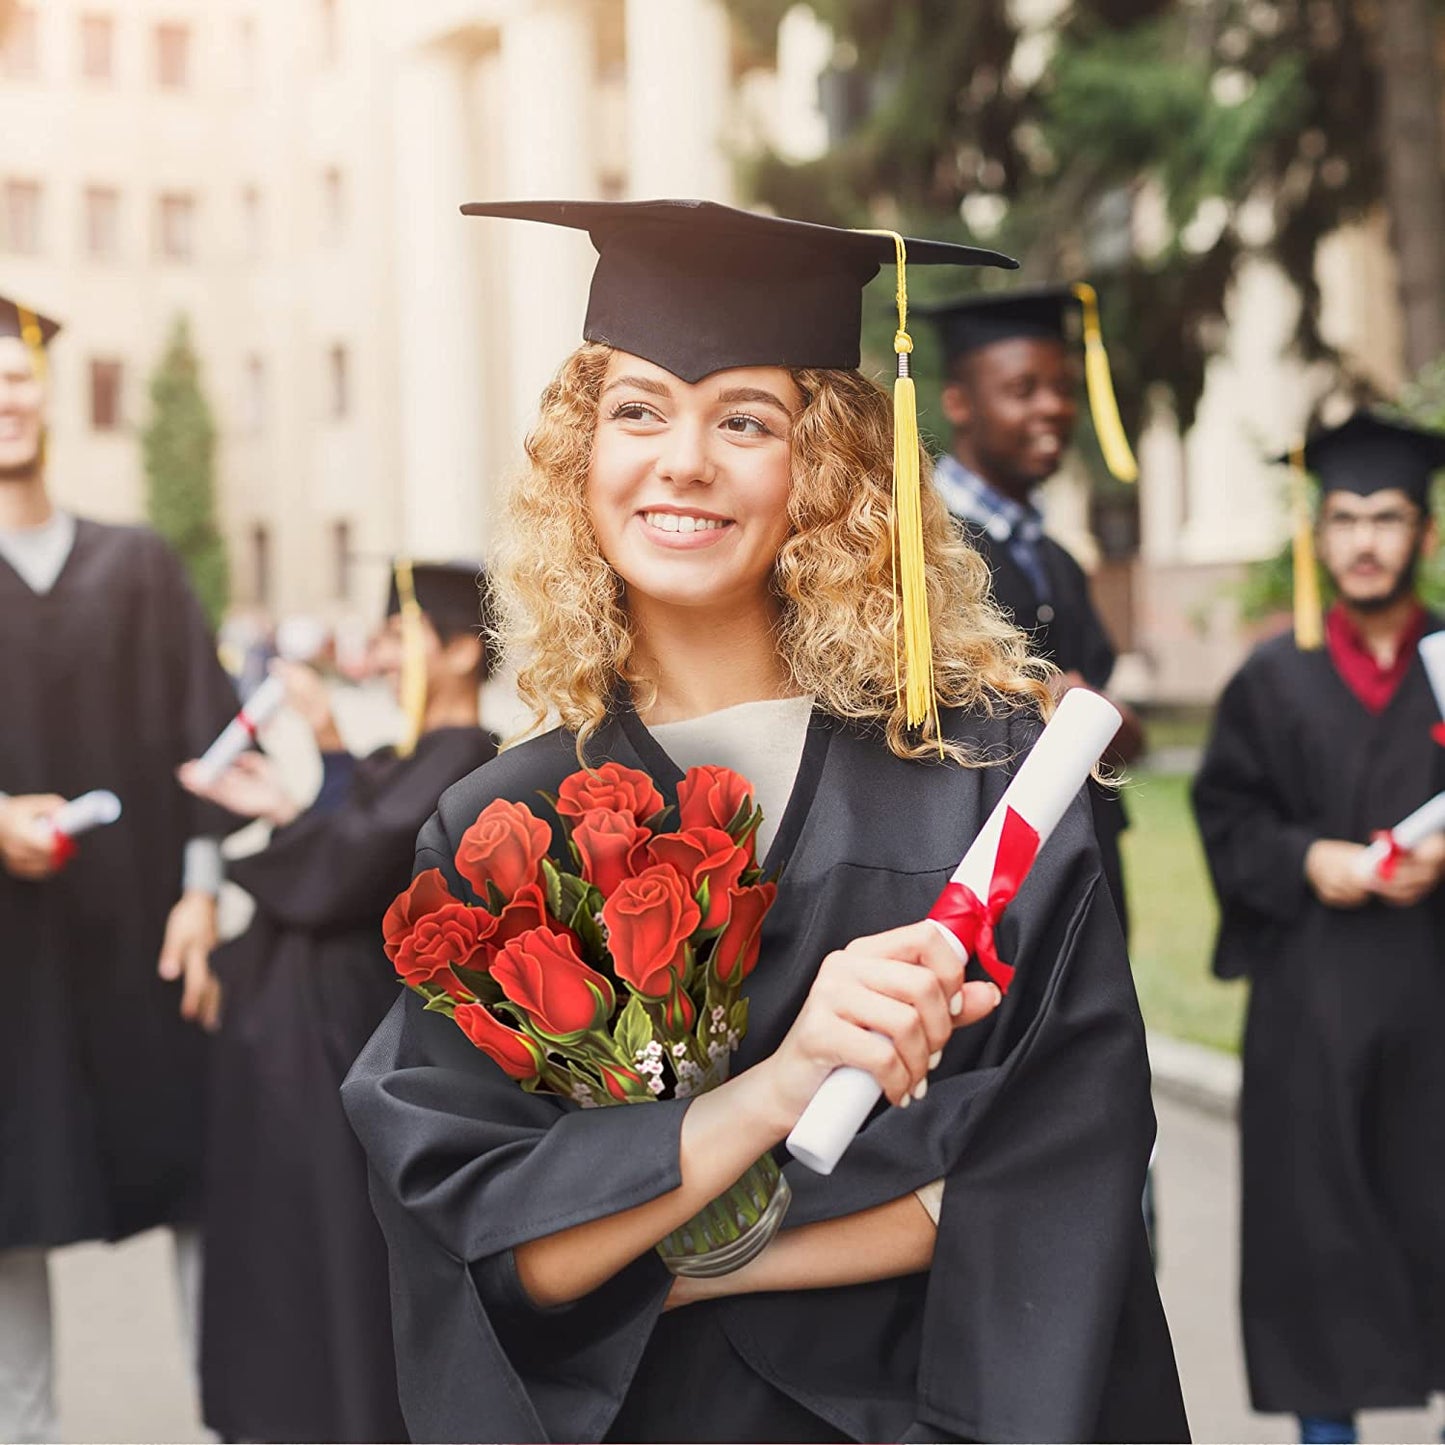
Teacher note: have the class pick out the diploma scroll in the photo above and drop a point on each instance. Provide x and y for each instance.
(241, 731)
(90, 810)
(1427, 820)
(1046, 783)
(1432, 659)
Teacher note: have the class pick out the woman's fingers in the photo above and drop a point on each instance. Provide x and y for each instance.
(923, 943)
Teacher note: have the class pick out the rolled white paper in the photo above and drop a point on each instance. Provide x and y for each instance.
(1083, 725)
(1427, 820)
(89, 810)
(239, 733)
(1432, 658)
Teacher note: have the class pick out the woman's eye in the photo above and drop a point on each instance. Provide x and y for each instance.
(747, 426)
(632, 411)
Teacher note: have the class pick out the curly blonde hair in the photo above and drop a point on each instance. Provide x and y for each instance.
(563, 612)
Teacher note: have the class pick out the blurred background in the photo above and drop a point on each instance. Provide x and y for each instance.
(286, 350)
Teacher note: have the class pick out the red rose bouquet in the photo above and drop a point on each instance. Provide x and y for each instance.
(619, 980)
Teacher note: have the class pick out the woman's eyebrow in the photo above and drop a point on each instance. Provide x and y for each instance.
(641, 383)
(753, 393)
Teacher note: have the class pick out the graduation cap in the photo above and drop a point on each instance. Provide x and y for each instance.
(696, 287)
(35, 330)
(1047, 312)
(454, 598)
(1364, 454)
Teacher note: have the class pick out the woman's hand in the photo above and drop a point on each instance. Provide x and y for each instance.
(309, 697)
(886, 1004)
(251, 787)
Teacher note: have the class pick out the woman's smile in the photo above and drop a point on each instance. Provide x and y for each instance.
(679, 530)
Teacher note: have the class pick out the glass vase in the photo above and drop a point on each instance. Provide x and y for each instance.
(735, 1228)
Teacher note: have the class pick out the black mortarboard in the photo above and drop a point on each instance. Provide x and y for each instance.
(30, 326)
(451, 594)
(1056, 313)
(696, 287)
(1371, 453)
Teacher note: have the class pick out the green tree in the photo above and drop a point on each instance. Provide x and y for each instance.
(179, 449)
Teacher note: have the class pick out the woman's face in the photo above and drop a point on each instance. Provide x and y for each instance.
(688, 486)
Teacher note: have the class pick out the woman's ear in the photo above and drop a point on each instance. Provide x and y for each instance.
(1429, 537)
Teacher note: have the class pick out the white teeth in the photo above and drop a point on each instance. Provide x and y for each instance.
(673, 522)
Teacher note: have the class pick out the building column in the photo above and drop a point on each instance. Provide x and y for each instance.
(440, 373)
(678, 87)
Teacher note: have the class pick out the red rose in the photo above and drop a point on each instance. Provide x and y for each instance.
(704, 855)
(736, 954)
(505, 847)
(514, 1053)
(649, 920)
(541, 972)
(426, 931)
(624, 1083)
(526, 910)
(710, 797)
(612, 846)
(623, 790)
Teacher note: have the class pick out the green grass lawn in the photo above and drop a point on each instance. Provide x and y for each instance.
(1174, 917)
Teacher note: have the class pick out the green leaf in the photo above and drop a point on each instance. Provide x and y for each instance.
(738, 1017)
(441, 1004)
(633, 1031)
(552, 881)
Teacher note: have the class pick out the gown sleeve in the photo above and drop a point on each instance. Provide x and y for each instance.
(1255, 849)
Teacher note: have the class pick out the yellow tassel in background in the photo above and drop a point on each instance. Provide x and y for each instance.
(413, 660)
(1309, 627)
(1099, 382)
(910, 577)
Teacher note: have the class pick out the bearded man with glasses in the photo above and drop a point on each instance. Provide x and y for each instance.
(1342, 1117)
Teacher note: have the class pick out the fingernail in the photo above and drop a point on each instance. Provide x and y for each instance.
(997, 994)
(905, 1101)
(935, 1059)
(955, 1004)
(920, 1088)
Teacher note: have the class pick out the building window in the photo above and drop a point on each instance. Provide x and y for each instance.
(176, 227)
(248, 53)
(341, 559)
(21, 235)
(173, 57)
(261, 563)
(102, 223)
(106, 380)
(338, 372)
(333, 206)
(254, 403)
(97, 47)
(20, 55)
(253, 223)
(330, 19)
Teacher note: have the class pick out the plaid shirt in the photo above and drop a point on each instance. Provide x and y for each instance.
(1014, 525)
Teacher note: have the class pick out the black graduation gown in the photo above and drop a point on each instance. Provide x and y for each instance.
(1040, 1318)
(1067, 631)
(296, 1328)
(111, 682)
(1343, 1109)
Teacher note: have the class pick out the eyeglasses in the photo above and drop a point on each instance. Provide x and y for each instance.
(1392, 526)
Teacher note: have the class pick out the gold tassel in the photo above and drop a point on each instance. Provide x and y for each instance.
(34, 339)
(910, 577)
(1309, 628)
(413, 660)
(1103, 405)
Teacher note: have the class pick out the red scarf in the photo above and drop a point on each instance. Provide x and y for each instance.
(1358, 667)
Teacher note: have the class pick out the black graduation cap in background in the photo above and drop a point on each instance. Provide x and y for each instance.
(1054, 313)
(697, 287)
(453, 595)
(1365, 453)
(1370, 453)
(35, 330)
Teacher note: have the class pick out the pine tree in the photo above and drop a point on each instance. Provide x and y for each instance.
(179, 450)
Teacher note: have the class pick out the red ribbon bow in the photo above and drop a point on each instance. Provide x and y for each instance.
(1438, 733)
(1385, 868)
(62, 849)
(971, 921)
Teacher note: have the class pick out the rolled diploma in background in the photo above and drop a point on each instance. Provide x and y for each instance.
(1432, 658)
(1083, 725)
(238, 734)
(89, 810)
(1427, 820)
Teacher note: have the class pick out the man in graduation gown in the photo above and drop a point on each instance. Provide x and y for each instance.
(1010, 397)
(112, 681)
(1314, 749)
(296, 1320)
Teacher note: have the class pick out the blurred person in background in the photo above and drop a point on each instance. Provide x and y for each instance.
(296, 1319)
(114, 680)
(1010, 396)
(1343, 1109)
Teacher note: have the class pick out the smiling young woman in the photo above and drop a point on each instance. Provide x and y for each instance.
(698, 568)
